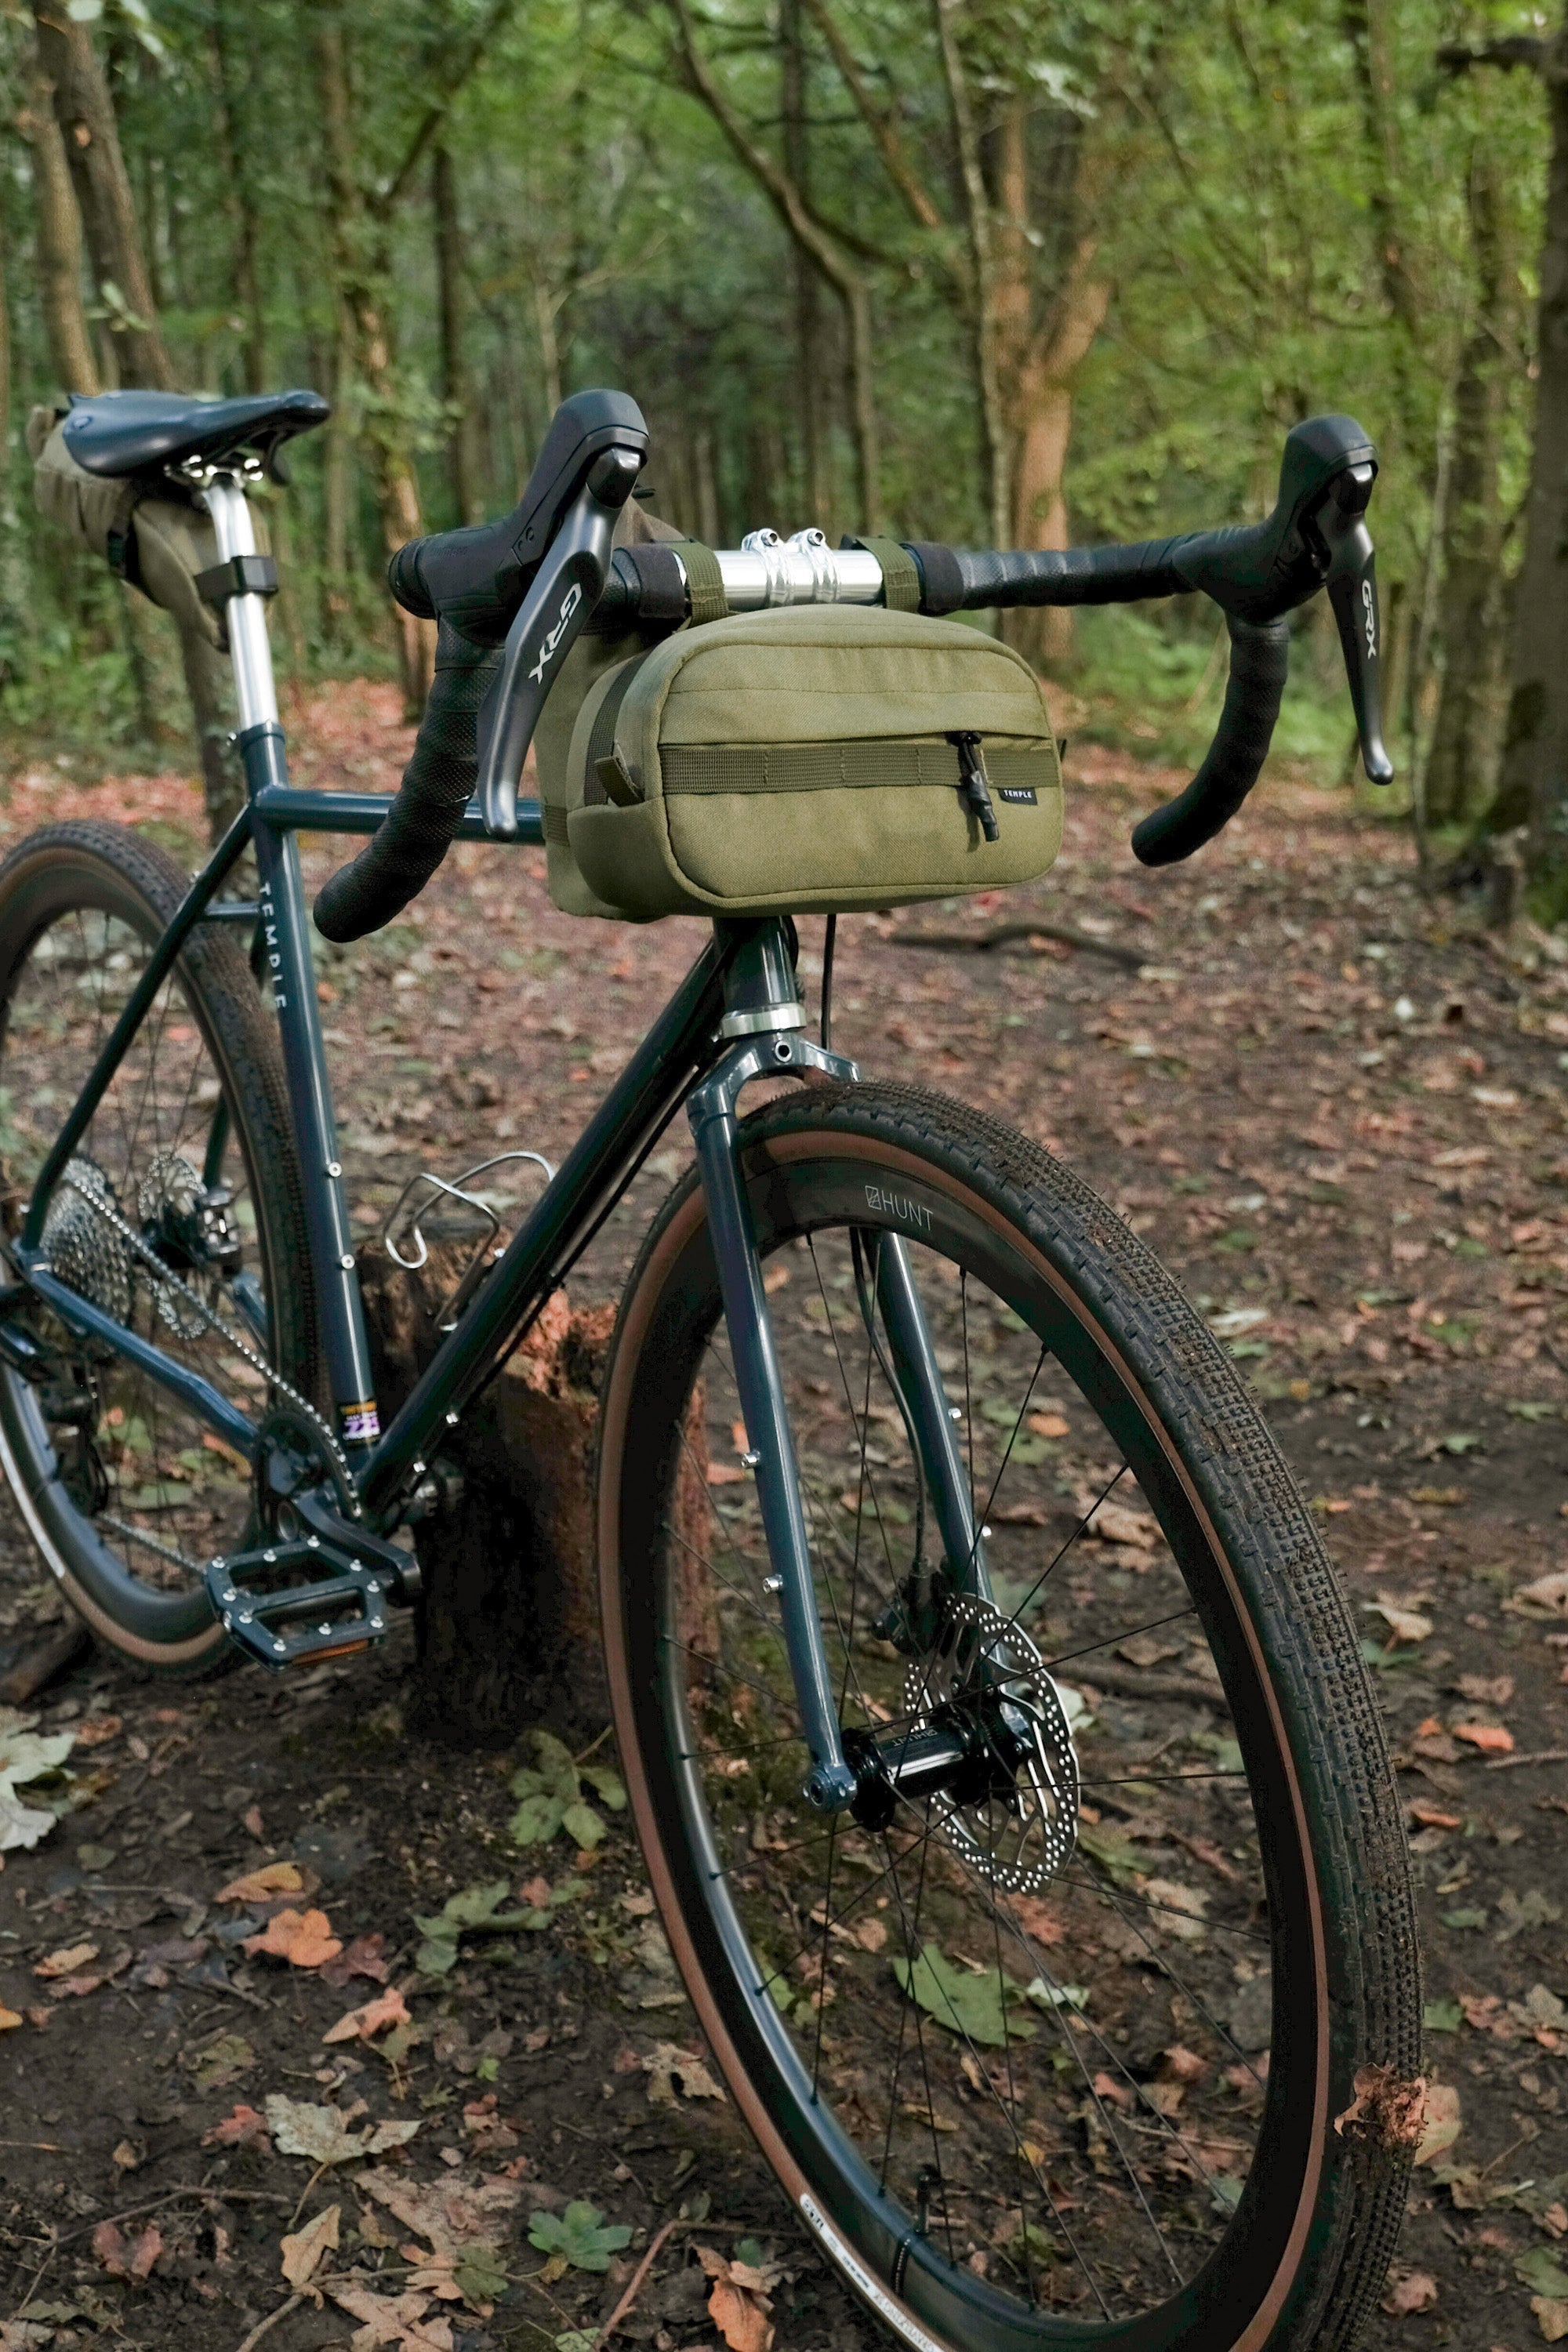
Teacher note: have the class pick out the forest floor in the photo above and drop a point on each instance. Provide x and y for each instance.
(1334, 1109)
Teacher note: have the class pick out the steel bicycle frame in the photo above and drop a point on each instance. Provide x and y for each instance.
(733, 1018)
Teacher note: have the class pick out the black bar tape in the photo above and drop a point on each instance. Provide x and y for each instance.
(1259, 663)
(1072, 575)
(941, 582)
(399, 859)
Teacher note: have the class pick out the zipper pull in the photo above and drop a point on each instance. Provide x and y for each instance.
(974, 783)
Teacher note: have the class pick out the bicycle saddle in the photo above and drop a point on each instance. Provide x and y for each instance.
(119, 433)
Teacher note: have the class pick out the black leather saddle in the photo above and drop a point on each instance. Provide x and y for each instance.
(121, 433)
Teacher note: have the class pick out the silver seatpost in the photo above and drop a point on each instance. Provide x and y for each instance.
(249, 648)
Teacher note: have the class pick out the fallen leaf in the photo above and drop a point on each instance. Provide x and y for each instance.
(67, 1961)
(1486, 1690)
(219, 2061)
(302, 2252)
(1531, 1909)
(391, 2319)
(1417, 2291)
(261, 1885)
(8, 2019)
(1492, 1739)
(1113, 1523)
(1440, 2122)
(97, 1729)
(740, 2318)
(305, 1939)
(1551, 2316)
(1547, 1596)
(387, 2008)
(1182, 1909)
(673, 2069)
(1429, 1816)
(1405, 1622)
(321, 2134)
(126, 2260)
(1047, 1424)
(245, 2127)
(24, 1758)
(362, 1958)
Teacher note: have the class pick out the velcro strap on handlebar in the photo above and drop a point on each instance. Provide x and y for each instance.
(900, 572)
(941, 580)
(704, 581)
(661, 585)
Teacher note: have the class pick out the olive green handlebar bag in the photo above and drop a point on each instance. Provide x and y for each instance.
(806, 759)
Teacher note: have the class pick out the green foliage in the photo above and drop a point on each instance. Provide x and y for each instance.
(551, 1799)
(1253, 222)
(477, 1910)
(579, 2237)
(973, 2006)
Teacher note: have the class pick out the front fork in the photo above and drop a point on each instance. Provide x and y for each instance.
(782, 1050)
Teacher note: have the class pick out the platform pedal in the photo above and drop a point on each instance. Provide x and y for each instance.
(333, 1616)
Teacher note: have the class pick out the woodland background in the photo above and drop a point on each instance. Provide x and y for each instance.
(990, 271)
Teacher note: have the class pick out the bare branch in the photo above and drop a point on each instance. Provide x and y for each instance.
(1514, 50)
(463, 68)
(879, 120)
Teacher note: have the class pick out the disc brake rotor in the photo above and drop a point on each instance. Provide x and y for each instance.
(982, 1669)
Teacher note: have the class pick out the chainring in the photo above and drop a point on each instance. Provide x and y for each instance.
(982, 1666)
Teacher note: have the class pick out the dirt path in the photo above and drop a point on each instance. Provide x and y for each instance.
(1338, 1120)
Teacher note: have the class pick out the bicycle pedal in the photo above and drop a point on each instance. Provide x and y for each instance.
(333, 1617)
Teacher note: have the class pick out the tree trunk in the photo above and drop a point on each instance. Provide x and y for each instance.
(239, 196)
(1036, 372)
(59, 244)
(85, 109)
(1535, 777)
(1457, 776)
(456, 383)
(508, 1623)
(364, 284)
(986, 327)
(815, 242)
(809, 370)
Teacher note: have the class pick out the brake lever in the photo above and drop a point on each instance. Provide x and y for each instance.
(1352, 584)
(564, 589)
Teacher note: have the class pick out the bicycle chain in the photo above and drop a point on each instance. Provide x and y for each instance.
(214, 1321)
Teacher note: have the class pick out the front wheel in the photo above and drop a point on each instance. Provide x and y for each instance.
(1050, 2058)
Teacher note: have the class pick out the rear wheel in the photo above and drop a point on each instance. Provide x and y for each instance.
(183, 1195)
(1056, 2057)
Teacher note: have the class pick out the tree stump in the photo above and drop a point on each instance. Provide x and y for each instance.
(508, 1624)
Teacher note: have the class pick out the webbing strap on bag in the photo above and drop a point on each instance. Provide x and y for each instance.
(704, 582)
(900, 572)
(1016, 769)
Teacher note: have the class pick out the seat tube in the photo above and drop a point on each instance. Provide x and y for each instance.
(287, 966)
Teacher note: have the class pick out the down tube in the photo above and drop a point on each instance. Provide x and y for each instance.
(287, 963)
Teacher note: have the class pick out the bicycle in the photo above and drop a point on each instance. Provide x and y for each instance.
(900, 1432)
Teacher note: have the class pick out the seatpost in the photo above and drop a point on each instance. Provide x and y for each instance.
(249, 648)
